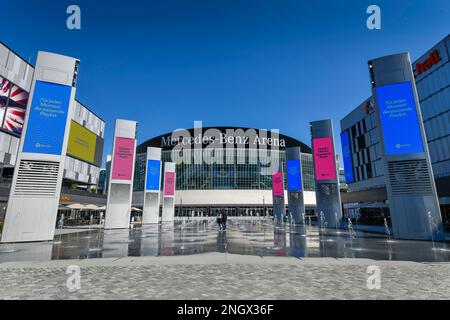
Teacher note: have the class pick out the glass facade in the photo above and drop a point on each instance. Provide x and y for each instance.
(433, 88)
(242, 169)
(101, 185)
(365, 146)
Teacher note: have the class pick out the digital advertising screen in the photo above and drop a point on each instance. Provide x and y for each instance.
(18, 97)
(277, 184)
(347, 157)
(294, 177)
(324, 159)
(84, 145)
(47, 119)
(153, 175)
(13, 103)
(123, 159)
(14, 119)
(399, 119)
(5, 88)
(169, 184)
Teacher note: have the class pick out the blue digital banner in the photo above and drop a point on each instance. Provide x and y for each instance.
(347, 155)
(399, 119)
(47, 119)
(294, 177)
(153, 175)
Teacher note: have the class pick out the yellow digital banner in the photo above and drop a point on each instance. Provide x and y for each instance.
(82, 143)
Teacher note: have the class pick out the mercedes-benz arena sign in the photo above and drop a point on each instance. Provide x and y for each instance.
(215, 142)
(223, 137)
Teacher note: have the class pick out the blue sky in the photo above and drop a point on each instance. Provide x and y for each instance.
(273, 64)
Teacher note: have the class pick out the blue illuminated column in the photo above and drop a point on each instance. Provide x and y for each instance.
(412, 196)
(295, 185)
(36, 187)
(328, 197)
(152, 186)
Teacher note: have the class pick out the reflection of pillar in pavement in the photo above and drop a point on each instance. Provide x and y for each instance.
(166, 243)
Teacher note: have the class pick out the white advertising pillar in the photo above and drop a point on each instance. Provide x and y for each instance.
(36, 187)
(152, 186)
(329, 208)
(413, 199)
(120, 190)
(168, 213)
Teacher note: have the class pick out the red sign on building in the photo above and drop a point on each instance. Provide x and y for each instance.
(432, 59)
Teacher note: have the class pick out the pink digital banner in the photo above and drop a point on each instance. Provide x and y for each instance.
(277, 184)
(123, 159)
(169, 184)
(324, 159)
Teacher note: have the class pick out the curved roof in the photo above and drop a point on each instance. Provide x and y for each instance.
(241, 136)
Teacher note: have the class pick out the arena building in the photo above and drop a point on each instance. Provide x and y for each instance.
(225, 168)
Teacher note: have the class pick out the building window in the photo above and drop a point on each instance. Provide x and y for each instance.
(369, 171)
(353, 130)
(361, 142)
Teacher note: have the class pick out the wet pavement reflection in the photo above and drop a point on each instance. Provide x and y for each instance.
(244, 236)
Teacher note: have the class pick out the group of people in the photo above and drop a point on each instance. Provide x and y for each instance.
(222, 220)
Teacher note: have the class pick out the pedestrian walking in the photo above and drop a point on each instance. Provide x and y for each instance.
(219, 221)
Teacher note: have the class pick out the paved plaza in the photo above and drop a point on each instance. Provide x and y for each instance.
(253, 259)
(224, 276)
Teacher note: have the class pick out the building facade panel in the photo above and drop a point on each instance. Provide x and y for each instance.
(432, 76)
(15, 83)
(433, 86)
(16, 69)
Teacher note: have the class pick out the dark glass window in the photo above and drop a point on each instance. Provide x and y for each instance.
(353, 130)
(361, 142)
(369, 171)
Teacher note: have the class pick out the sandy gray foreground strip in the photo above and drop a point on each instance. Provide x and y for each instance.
(224, 276)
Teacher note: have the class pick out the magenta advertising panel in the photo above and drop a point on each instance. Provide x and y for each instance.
(277, 184)
(123, 159)
(324, 160)
(169, 184)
